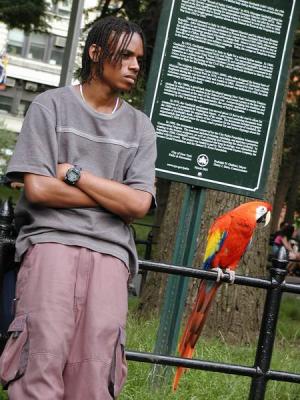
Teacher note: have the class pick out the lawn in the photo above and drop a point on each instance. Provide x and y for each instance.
(196, 385)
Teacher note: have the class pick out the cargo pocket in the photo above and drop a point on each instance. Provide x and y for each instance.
(13, 361)
(118, 372)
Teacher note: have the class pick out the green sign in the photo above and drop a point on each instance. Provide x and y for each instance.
(215, 90)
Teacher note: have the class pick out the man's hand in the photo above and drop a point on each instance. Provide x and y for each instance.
(61, 170)
(17, 185)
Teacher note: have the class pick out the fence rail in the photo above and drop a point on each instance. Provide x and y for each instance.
(262, 283)
(260, 372)
(211, 366)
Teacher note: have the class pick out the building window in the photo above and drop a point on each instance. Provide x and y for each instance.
(15, 42)
(56, 56)
(64, 13)
(57, 50)
(37, 46)
(64, 9)
(23, 107)
(5, 103)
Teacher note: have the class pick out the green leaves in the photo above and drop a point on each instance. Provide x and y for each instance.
(27, 15)
(7, 144)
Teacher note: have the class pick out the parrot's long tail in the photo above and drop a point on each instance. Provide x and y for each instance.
(193, 329)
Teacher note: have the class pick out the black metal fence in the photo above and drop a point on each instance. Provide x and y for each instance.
(260, 372)
(148, 242)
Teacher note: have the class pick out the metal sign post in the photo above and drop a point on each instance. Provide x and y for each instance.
(214, 95)
(72, 43)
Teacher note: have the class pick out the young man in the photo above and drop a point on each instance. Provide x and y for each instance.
(87, 160)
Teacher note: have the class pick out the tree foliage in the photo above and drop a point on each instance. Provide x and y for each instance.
(27, 15)
(7, 144)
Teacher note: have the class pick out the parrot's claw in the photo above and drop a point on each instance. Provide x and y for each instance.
(231, 275)
(219, 272)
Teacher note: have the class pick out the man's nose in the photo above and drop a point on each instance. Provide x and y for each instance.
(134, 65)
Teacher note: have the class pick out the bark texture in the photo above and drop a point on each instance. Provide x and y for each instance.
(292, 197)
(288, 180)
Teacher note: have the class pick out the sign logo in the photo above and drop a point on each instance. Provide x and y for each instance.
(202, 160)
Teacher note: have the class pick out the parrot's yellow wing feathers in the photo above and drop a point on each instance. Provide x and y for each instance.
(215, 240)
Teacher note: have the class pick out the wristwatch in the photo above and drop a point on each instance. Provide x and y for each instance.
(72, 175)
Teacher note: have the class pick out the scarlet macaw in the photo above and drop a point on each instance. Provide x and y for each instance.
(228, 239)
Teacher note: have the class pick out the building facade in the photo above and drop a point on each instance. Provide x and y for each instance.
(34, 62)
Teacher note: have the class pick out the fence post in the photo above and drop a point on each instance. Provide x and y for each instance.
(268, 326)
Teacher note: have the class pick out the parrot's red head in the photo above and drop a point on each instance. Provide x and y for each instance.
(257, 211)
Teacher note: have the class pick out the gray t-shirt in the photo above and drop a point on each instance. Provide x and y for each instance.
(60, 128)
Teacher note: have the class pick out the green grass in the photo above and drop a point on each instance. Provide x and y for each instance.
(3, 395)
(196, 385)
(200, 385)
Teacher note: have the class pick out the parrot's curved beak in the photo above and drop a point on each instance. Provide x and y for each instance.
(264, 219)
(268, 218)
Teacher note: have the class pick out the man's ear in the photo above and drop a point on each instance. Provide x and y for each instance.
(94, 52)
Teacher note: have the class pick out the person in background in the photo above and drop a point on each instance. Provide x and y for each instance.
(282, 238)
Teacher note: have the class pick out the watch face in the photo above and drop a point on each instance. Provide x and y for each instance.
(72, 176)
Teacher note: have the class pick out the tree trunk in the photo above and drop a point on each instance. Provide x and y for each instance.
(162, 196)
(285, 182)
(288, 170)
(292, 197)
(283, 185)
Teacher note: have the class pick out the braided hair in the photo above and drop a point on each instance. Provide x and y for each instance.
(105, 34)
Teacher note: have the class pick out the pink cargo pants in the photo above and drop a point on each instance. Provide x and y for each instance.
(67, 340)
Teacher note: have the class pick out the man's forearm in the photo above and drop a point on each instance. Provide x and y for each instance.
(52, 192)
(116, 197)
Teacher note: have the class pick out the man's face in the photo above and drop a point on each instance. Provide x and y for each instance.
(122, 76)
